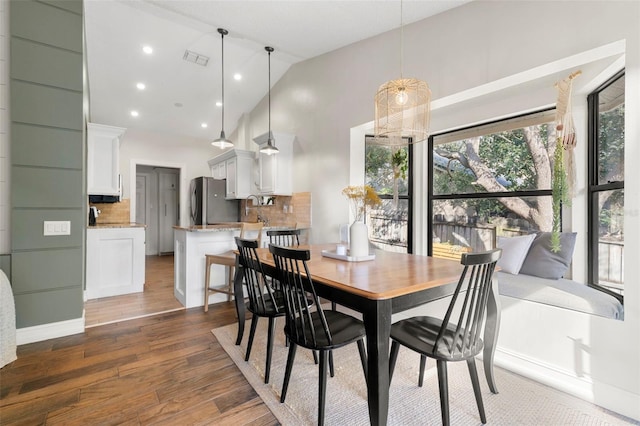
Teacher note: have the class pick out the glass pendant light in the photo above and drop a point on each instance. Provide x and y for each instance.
(402, 108)
(222, 141)
(270, 147)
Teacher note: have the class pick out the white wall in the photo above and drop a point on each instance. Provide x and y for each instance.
(156, 149)
(468, 56)
(5, 246)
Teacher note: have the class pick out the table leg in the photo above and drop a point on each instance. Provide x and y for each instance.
(238, 293)
(377, 322)
(491, 329)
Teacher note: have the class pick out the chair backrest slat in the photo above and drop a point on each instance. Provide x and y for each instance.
(261, 295)
(284, 237)
(457, 338)
(294, 276)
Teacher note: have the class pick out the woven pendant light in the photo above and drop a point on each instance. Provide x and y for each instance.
(402, 108)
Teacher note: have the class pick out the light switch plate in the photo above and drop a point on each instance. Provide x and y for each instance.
(57, 227)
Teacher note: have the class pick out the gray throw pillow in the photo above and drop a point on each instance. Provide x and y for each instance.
(542, 262)
(514, 251)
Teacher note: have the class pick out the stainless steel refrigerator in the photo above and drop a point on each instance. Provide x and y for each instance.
(208, 203)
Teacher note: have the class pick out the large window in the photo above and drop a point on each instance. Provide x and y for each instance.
(606, 185)
(388, 172)
(490, 180)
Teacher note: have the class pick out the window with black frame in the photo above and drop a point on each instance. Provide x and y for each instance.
(388, 170)
(488, 181)
(606, 185)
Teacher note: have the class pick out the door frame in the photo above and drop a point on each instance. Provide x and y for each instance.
(183, 186)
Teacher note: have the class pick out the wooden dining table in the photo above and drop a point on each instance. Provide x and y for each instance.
(378, 288)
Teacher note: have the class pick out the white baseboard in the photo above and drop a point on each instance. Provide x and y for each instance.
(602, 394)
(52, 330)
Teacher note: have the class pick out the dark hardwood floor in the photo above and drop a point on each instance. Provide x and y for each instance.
(157, 297)
(167, 369)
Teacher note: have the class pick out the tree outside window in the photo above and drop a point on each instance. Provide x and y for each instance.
(388, 171)
(491, 180)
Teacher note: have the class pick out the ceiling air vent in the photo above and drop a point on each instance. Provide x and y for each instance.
(196, 58)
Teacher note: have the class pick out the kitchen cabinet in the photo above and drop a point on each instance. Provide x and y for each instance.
(275, 171)
(115, 261)
(237, 166)
(219, 171)
(103, 159)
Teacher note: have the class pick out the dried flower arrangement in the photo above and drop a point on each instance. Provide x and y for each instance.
(361, 197)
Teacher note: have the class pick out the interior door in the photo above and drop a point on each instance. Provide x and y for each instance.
(141, 198)
(168, 210)
(143, 209)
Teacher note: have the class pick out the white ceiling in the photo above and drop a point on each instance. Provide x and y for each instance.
(180, 95)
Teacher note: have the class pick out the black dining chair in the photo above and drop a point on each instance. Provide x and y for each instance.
(310, 326)
(457, 336)
(288, 238)
(264, 301)
(284, 237)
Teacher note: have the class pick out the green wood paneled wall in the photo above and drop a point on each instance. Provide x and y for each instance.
(47, 162)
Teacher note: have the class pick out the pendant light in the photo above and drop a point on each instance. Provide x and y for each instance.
(270, 147)
(222, 141)
(402, 107)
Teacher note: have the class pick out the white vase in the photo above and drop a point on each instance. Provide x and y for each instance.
(359, 239)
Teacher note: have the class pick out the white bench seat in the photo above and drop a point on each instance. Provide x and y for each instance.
(562, 293)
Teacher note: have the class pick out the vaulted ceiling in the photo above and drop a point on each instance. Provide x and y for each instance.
(180, 95)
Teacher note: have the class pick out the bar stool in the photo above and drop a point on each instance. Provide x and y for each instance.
(228, 259)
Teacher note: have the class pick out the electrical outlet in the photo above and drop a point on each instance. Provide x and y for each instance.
(57, 227)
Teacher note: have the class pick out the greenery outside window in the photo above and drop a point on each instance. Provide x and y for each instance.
(490, 180)
(388, 170)
(606, 185)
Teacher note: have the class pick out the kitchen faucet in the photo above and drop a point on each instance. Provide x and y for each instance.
(246, 203)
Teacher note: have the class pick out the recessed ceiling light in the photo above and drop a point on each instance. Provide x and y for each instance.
(134, 113)
(141, 86)
(218, 103)
(147, 49)
(237, 76)
(204, 125)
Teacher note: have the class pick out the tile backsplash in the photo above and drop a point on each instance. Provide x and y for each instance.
(113, 212)
(294, 210)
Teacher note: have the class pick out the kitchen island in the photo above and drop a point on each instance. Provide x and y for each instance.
(190, 246)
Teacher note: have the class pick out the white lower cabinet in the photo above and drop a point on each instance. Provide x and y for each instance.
(115, 261)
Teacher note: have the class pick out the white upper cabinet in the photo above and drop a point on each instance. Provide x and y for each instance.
(103, 159)
(275, 171)
(236, 166)
(219, 171)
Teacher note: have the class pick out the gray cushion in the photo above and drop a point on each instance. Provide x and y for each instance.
(514, 251)
(561, 293)
(542, 262)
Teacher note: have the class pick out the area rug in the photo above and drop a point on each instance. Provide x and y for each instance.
(520, 402)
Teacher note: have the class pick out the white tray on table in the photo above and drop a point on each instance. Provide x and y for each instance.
(346, 257)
